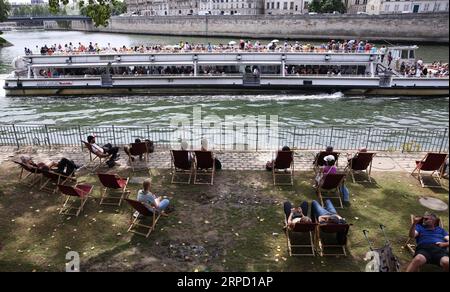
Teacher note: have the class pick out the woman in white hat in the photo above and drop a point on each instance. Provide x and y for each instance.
(328, 168)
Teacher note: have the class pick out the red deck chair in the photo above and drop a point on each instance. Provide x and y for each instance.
(319, 162)
(113, 183)
(431, 162)
(360, 162)
(205, 166)
(142, 213)
(29, 176)
(326, 243)
(53, 179)
(331, 184)
(93, 156)
(295, 235)
(283, 165)
(138, 149)
(181, 165)
(81, 191)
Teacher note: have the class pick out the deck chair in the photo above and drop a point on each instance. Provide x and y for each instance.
(52, 179)
(181, 165)
(431, 162)
(331, 184)
(360, 162)
(205, 166)
(295, 235)
(29, 176)
(324, 242)
(319, 162)
(283, 162)
(142, 212)
(93, 156)
(113, 183)
(138, 149)
(411, 241)
(79, 191)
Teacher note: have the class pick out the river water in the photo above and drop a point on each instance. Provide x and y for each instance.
(297, 110)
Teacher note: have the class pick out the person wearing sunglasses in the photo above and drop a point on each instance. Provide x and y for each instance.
(432, 243)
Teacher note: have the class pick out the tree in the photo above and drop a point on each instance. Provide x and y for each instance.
(99, 10)
(326, 6)
(5, 7)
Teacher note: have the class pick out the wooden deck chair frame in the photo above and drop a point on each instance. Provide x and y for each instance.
(321, 246)
(320, 156)
(368, 170)
(93, 156)
(83, 195)
(336, 190)
(142, 146)
(52, 177)
(146, 213)
(301, 229)
(105, 193)
(32, 176)
(180, 171)
(203, 172)
(417, 172)
(276, 173)
(410, 244)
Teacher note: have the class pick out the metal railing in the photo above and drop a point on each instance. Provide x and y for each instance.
(234, 138)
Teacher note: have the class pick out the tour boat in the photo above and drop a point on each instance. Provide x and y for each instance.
(221, 72)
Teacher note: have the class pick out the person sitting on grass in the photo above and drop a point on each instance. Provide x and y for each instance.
(432, 243)
(296, 215)
(150, 200)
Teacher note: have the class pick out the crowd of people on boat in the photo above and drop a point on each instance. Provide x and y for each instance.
(350, 46)
(419, 69)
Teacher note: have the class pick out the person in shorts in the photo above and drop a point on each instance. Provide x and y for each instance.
(432, 243)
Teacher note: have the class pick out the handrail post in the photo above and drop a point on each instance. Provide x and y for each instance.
(15, 136)
(48, 136)
(368, 138)
(293, 137)
(114, 136)
(81, 137)
(331, 136)
(257, 135)
(404, 141)
(443, 139)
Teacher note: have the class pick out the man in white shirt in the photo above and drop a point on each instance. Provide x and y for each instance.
(105, 149)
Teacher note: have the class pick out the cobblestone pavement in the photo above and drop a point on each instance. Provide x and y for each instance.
(161, 159)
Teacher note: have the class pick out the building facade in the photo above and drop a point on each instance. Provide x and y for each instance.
(356, 6)
(278, 7)
(406, 6)
(195, 7)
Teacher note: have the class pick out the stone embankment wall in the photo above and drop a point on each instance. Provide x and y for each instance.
(431, 27)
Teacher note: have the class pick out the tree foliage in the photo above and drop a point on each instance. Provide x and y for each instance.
(99, 10)
(5, 8)
(326, 6)
(36, 10)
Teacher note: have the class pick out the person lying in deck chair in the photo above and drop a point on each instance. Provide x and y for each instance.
(432, 243)
(131, 152)
(296, 215)
(269, 164)
(150, 200)
(107, 148)
(64, 166)
(328, 215)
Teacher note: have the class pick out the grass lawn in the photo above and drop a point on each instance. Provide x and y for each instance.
(235, 225)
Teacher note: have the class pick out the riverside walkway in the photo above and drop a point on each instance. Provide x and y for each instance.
(231, 160)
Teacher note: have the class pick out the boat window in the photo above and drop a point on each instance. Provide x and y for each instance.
(411, 54)
(107, 58)
(404, 54)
